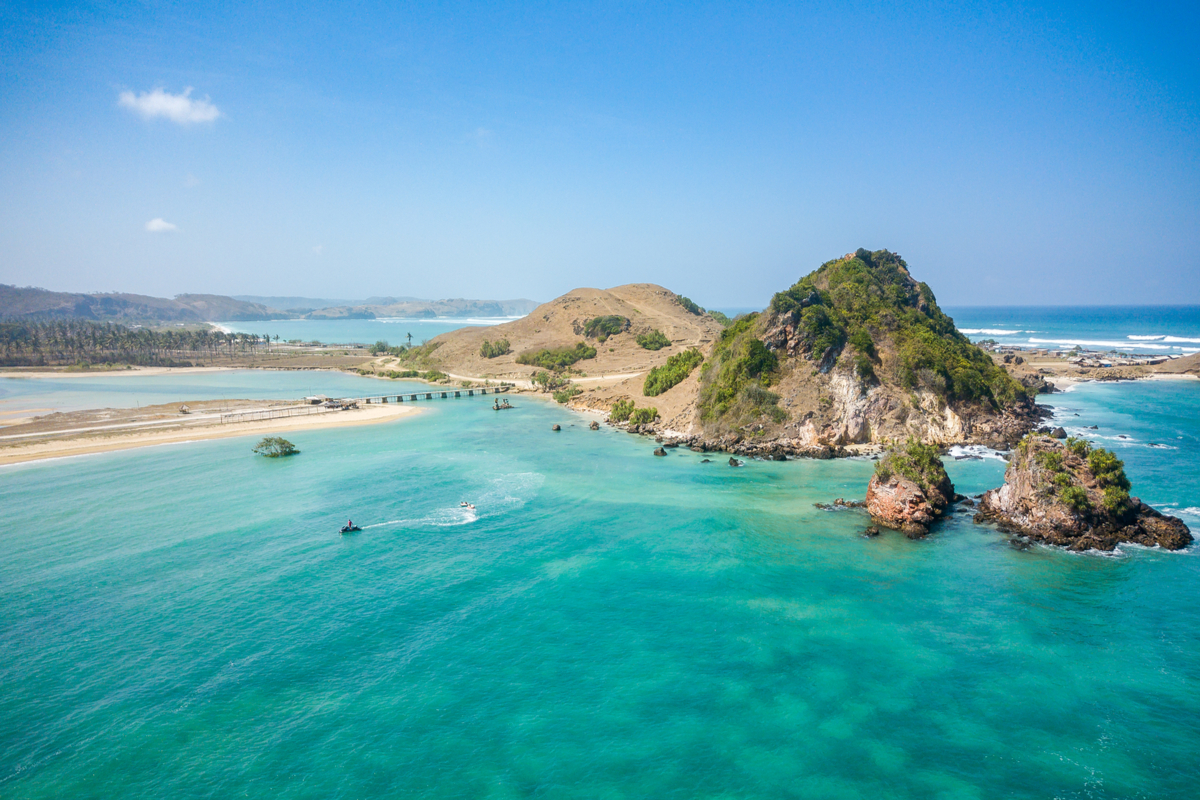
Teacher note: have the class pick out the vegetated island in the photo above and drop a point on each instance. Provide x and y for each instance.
(853, 355)
(1070, 494)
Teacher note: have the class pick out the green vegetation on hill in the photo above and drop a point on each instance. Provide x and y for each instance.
(734, 381)
(557, 358)
(65, 342)
(603, 327)
(678, 367)
(654, 340)
(625, 411)
(866, 297)
(914, 460)
(721, 318)
(500, 347)
(689, 305)
(1059, 479)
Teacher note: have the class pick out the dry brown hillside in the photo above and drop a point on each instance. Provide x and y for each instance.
(620, 365)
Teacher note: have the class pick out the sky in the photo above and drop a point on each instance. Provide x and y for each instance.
(1012, 153)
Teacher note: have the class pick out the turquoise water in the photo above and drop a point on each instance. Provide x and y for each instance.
(70, 393)
(361, 331)
(1152, 330)
(184, 621)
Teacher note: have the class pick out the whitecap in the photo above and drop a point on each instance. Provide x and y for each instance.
(961, 452)
(1153, 338)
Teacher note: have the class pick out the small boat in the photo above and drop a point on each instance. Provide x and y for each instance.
(466, 505)
(350, 528)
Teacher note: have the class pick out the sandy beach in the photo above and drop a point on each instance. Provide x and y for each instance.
(107, 441)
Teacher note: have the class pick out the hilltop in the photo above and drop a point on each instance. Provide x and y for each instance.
(857, 352)
(616, 370)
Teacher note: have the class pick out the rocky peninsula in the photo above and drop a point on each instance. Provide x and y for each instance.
(1068, 494)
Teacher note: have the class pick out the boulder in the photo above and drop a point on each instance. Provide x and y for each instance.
(1069, 495)
(1058, 433)
(556, 427)
(595, 426)
(901, 504)
(658, 451)
(909, 490)
(733, 462)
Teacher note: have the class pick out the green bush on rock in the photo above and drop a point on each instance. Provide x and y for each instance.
(557, 358)
(916, 461)
(654, 340)
(601, 328)
(678, 367)
(275, 447)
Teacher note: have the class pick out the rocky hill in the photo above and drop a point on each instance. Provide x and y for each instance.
(608, 321)
(413, 308)
(1068, 494)
(856, 352)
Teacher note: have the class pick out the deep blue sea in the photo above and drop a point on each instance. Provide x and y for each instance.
(185, 621)
(1154, 330)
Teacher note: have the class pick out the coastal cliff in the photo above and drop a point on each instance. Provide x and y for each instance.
(1077, 497)
(857, 352)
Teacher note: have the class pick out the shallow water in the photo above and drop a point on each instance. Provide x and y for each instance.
(362, 331)
(185, 621)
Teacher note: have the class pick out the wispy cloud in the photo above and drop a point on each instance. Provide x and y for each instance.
(160, 225)
(179, 108)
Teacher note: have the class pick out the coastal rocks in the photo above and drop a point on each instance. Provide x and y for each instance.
(1058, 433)
(658, 451)
(1067, 494)
(595, 426)
(1036, 383)
(909, 490)
(733, 462)
(556, 427)
(840, 505)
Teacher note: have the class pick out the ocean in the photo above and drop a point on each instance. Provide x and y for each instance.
(1148, 330)
(1151, 330)
(185, 621)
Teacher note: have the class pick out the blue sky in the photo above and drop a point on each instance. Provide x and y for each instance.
(1012, 153)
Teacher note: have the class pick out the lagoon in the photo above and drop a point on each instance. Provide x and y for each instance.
(186, 621)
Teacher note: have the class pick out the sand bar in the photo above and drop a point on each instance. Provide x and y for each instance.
(125, 438)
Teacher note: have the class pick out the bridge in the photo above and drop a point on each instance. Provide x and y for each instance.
(447, 394)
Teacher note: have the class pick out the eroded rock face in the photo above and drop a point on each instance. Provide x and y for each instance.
(1032, 502)
(901, 504)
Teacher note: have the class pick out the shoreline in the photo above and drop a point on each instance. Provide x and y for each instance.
(130, 440)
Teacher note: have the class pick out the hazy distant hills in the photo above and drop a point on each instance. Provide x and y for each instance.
(29, 302)
(121, 307)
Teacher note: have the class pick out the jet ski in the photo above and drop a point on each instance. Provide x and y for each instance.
(350, 528)
(466, 505)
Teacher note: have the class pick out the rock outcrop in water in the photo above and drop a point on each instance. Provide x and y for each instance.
(1077, 497)
(909, 490)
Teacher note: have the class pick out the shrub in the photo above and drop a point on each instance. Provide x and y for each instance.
(1075, 498)
(863, 343)
(654, 340)
(1116, 501)
(563, 395)
(915, 460)
(1079, 447)
(689, 305)
(436, 376)
(1062, 480)
(642, 416)
(275, 447)
(864, 368)
(549, 381)
(1108, 469)
(603, 327)
(493, 349)
(721, 318)
(557, 358)
(621, 411)
(1051, 460)
(678, 367)
(380, 346)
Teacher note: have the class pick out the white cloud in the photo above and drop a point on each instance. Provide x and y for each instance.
(179, 108)
(160, 225)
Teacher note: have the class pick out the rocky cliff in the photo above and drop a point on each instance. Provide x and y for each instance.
(858, 352)
(1068, 494)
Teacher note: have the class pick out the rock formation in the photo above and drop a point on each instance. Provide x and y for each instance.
(909, 490)
(1068, 494)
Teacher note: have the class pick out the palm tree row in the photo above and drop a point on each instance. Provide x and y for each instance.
(71, 341)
